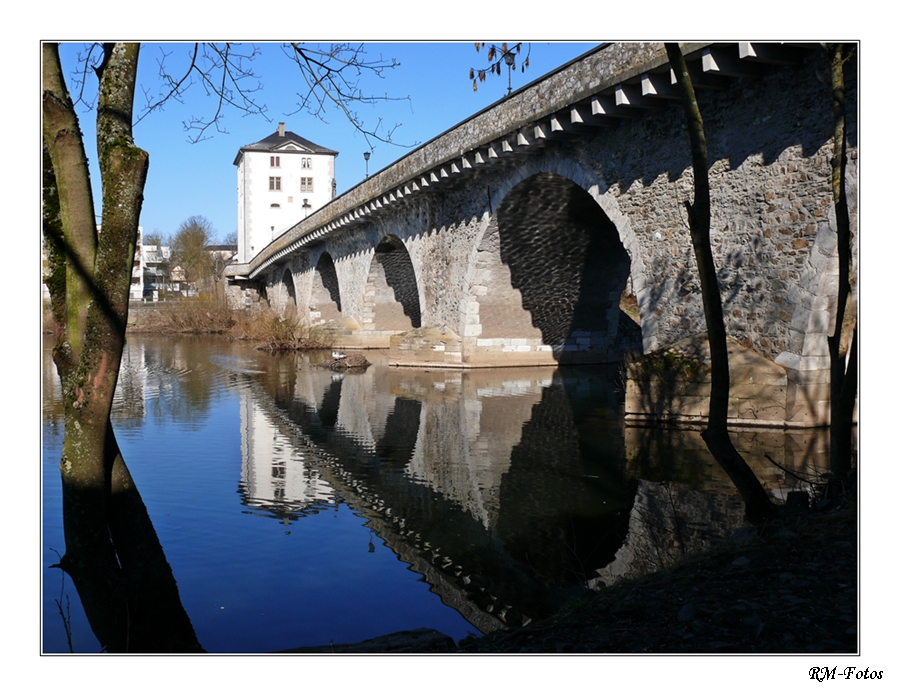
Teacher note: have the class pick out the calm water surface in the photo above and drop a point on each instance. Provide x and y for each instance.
(299, 506)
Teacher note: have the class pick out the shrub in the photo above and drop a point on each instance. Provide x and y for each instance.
(275, 333)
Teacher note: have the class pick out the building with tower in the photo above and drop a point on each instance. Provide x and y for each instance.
(281, 179)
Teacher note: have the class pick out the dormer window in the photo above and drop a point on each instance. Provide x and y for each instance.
(274, 161)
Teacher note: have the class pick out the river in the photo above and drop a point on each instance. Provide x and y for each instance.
(301, 506)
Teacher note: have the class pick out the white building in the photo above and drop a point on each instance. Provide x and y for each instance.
(281, 179)
(136, 291)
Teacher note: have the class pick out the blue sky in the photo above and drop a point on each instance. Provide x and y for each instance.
(200, 179)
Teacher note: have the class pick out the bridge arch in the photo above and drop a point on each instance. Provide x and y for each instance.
(591, 181)
(288, 293)
(325, 294)
(548, 274)
(391, 302)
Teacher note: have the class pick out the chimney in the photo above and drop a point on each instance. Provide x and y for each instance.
(281, 130)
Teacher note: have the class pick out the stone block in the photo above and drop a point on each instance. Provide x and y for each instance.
(820, 322)
(814, 363)
(751, 409)
(815, 344)
(788, 360)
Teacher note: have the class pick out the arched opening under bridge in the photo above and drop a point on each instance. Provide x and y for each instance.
(392, 294)
(290, 293)
(325, 296)
(550, 273)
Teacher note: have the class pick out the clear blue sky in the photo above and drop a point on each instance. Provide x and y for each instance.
(200, 179)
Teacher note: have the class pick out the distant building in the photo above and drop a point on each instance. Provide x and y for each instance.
(156, 260)
(281, 179)
(136, 288)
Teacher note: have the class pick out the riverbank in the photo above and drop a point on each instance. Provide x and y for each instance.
(265, 328)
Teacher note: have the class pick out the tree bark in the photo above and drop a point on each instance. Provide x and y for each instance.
(131, 605)
(756, 501)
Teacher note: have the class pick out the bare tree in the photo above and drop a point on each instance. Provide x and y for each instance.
(189, 249)
(757, 503)
(112, 552)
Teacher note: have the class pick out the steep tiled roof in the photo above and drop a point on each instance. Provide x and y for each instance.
(275, 142)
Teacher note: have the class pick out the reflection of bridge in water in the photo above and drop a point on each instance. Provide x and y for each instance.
(506, 490)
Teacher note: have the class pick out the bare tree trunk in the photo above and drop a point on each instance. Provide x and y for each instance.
(844, 376)
(757, 503)
(90, 279)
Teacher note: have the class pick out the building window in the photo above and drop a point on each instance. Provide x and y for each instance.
(306, 163)
(274, 161)
(274, 183)
(306, 184)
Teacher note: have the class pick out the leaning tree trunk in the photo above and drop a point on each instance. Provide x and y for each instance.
(112, 552)
(844, 375)
(756, 501)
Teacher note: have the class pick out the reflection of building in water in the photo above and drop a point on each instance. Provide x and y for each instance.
(130, 399)
(274, 474)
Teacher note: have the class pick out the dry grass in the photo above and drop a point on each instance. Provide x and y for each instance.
(274, 333)
(204, 315)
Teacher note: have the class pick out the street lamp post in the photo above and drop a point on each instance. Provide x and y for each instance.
(366, 156)
(510, 59)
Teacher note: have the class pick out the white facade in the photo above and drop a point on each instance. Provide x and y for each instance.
(281, 179)
(274, 473)
(136, 291)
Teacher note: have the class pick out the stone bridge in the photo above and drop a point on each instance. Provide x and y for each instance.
(550, 227)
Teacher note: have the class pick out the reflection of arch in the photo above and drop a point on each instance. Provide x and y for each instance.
(401, 433)
(325, 297)
(550, 269)
(392, 295)
(290, 298)
(331, 401)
